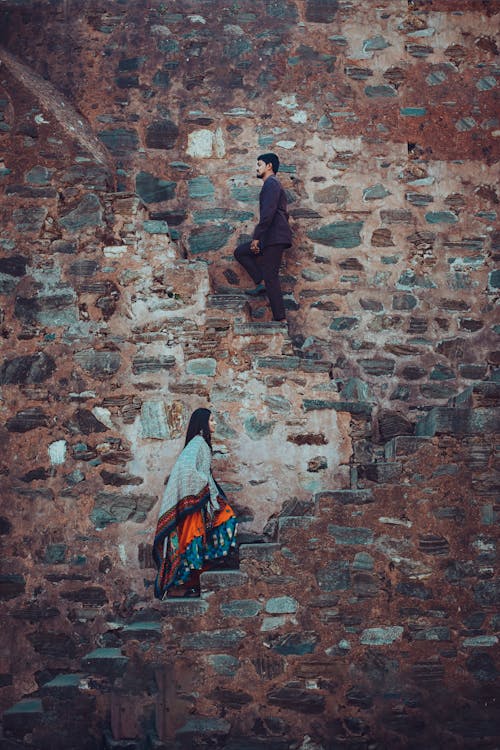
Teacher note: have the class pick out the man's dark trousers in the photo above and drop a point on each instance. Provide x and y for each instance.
(265, 266)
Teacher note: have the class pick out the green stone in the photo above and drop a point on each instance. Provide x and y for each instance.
(280, 605)
(152, 226)
(494, 280)
(351, 535)
(153, 189)
(256, 429)
(343, 323)
(409, 279)
(209, 238)
(465, 124)
(237, 47)
(338, 234)
(55, 554)
(381, 636)
(201, 188)
(441, 217)
(119, 141)
(88, 213)
(208, 215)
(380, 92)
(206, 367)
(241, 608)
(245, 194)
(413, 111)
(205, 640)
(436, 77)
(375, 43)
(375, 192)
(486, 83)
(168, 45)
(334, 576)
(29, 220)
(224, 664)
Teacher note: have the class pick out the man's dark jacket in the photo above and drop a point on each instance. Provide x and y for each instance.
(273, 227)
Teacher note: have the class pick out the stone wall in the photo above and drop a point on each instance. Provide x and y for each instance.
(356, 442)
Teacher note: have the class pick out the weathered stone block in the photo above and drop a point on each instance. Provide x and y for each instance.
(202, 727)
(200, 187)
(35, 368)
(224, 664)
(88, 213)
(114, 507)
(352, 407)
(378, 367)
(215, 580)
(99, 363)
(107, 662)
(162, 134)
(350, 534)
(338, 234)
(460, 422)
(209, 238)
(29, 220)
(334, 576)
(210, 640)
(295, 698)
(383, 91)
(120, 141)
(23, 717)
(154, 189)
(487, 593)
(381, 636)
(141, 364)
(327, 500)
(28, 419)
(53, 645)
(12, 586)
(281, 605)
(321, 11)
(205, 367)
(256, 429)
(241, 608)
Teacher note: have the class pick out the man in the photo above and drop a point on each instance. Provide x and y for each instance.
(261, 257)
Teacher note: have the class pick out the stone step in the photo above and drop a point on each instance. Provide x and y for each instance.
(109, 743)
(183, 607)
(270, 328)
(263, 551)
(483, 394)
(198, 727)
(328, 499)
(141, 631)
(288, 526)
(215, 580)
(230, 302)
(458, 422)
(65, 685)
(21, 718)
(106, 662)
(380, 472)
(403, 445)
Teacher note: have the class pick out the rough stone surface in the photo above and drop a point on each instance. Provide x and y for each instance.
(355, 440)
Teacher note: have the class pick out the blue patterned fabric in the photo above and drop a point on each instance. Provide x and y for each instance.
(218, 544)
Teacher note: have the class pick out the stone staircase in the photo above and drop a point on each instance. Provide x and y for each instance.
(275, 634)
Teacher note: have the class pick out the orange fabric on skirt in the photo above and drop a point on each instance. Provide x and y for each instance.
(193, 526)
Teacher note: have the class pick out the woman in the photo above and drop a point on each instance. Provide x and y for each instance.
(196, 524)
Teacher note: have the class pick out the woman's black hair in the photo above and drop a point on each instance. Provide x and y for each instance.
(198, 425)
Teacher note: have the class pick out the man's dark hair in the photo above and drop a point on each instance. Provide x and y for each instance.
(198, 425)
(270, 159)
